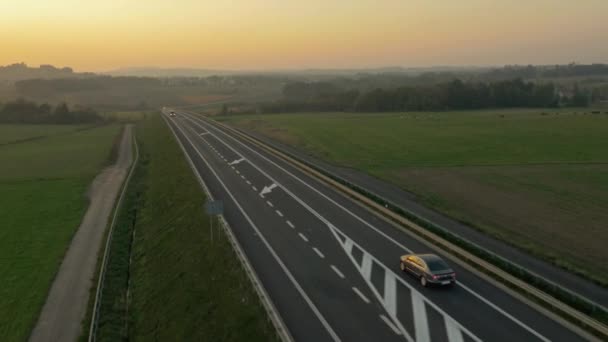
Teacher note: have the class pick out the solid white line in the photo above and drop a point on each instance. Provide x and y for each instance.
(297, 285)
(366, 266)
(390, 294)
(270, 204)
(303, 237)
(365, 299)
(420, 322)
(518, 322)
(454, 334)
(318, 252)
(290, 224)
(279, 213)
(340, 274)
(390, 324)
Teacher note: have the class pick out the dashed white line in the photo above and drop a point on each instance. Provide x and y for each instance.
(340, 274)
(248, 182)
(279, 213)
(270, 204)
(390, 324)
(365, 299)
(290, 224)
(242, 176)
(237, 172)
(254, 188)
(318, 252)
(303, 237)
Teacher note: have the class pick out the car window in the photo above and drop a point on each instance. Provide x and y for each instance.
(437, 265)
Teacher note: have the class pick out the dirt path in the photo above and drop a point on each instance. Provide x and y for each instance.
(66, 304)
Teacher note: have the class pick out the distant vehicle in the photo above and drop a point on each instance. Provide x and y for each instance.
(429, 269)
(172, 114)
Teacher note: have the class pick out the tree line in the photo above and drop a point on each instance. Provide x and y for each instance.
(453, 95)
(26, 112)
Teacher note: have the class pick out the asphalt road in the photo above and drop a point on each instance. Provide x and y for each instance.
(331, 268)
(66, 304)
(582, 287)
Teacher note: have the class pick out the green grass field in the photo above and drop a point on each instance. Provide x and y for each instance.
(184, 286)
(536, 178)
(43, 184)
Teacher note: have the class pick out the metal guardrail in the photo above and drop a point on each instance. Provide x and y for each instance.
(347, 188)
(102, 270)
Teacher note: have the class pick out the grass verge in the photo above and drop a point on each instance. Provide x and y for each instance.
(181, 284)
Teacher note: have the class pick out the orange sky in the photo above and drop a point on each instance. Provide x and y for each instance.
(92, 35)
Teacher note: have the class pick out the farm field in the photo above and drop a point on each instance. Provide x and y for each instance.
(535, 178)
(43, 184)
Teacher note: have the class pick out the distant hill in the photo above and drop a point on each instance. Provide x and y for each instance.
(167, 72)
(20, 71)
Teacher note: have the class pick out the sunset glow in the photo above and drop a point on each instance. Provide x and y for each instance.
(267, 34)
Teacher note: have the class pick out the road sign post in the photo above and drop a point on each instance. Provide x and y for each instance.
(213, 208)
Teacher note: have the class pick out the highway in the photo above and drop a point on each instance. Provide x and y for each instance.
(331, 267)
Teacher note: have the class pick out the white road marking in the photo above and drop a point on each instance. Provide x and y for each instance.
(318, 252)
(390, 324)
(340, 274)
(420, 322)
(366, 266)
(279, 213)
(297, 285)
(381, 233)
(204, 133)
(254, 188)
(237, 172)
(242, 176)
(390, 294)
(235, 162)
(268, 189)
(303, 237)
(348, 245)
(290, 224)
(365, 299)
(270, 204)
(248, 182)
(454, 334)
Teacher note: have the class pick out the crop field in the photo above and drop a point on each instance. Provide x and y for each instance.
(535, 178)
(43, 184)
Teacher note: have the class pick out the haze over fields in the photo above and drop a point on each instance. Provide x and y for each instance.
(269, 34)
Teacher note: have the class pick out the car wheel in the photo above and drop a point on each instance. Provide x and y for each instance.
(423, 281)
(402, 266)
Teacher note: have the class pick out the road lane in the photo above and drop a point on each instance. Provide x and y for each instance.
(315, 277)
(327, 216)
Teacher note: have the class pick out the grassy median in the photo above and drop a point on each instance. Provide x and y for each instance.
(183, 286)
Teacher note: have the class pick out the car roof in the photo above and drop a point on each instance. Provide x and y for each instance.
(428, 257)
